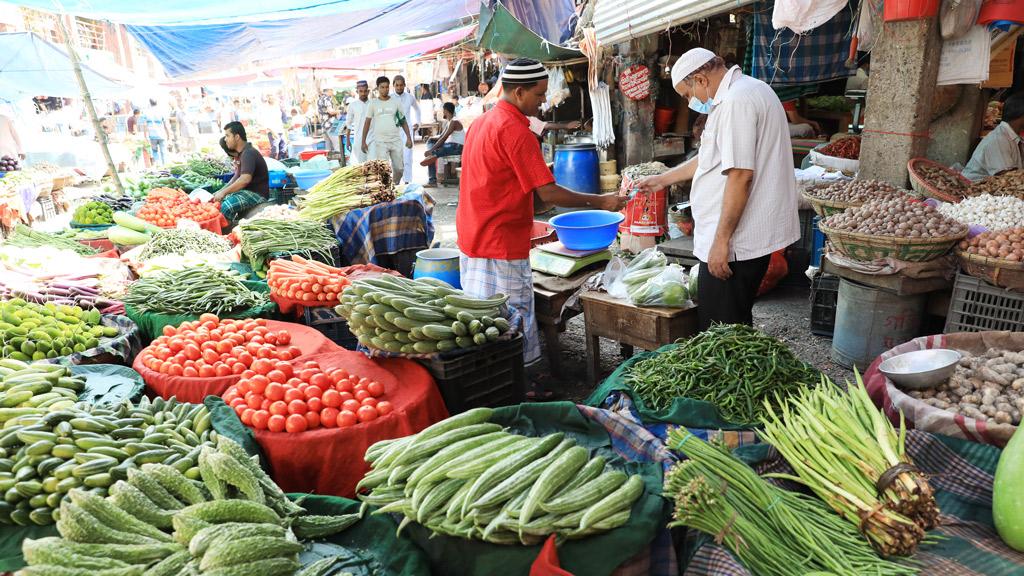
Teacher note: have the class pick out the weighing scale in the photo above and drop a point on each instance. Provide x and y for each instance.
(555, 259)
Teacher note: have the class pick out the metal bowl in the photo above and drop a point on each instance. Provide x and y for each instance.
(921, 368)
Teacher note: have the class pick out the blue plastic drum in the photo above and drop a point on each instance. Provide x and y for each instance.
(576, 168)
(440, 263)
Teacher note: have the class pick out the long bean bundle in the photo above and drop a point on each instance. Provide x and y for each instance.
(733, 366)
(181, 242)
(192, 291)
(26, 237)
(307, 238)
(847, 453)
(347, 188)
(773, 532)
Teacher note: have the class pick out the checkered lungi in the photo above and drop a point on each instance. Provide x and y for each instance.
(234, 205)
(484, 277)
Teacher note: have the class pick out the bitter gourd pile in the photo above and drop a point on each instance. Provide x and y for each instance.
(466, 477)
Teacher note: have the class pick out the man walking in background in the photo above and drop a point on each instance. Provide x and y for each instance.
(156, 130)
(384, 115)
(410, 109)
(354, 121)
(327, 108)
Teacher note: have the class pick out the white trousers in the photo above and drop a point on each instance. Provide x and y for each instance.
(391, 151)
(407, 160)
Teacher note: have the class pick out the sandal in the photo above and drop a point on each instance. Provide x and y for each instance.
(538, 394)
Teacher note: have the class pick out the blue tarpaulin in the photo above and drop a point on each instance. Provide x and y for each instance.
(30, 66)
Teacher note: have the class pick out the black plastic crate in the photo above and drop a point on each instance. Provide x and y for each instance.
(492, 375)
(977, 306)
(824, 298)
(330, 324)
(806, 241)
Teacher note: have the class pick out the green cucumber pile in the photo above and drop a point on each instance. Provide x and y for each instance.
(468, 478)
(421, 316)
(30, 331)
(230, 519)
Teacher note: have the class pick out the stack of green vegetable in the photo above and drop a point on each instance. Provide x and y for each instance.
(773, 532)
(735, 367)
(190, 181)
(93, 213)
(229, 519)
(181, 242)
(139, 189)
(650, 281)
(468, 478)
(31, 331)
(131, 231)
(350, 187)
(203, 166)
(192, 291)
(421, 316)
(262, 238)
(26, 237)
(847, 453)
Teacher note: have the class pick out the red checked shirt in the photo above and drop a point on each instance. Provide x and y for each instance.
(501, 167)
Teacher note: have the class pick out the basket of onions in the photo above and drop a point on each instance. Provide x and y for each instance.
(829, 199)
(996, 257)
(899, 228)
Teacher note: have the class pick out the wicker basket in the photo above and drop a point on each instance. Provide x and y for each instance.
(923, 187)
(996, 271)
(826, 208)
(866, 247)
(61, 182)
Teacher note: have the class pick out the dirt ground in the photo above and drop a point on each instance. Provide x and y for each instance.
(783, 313)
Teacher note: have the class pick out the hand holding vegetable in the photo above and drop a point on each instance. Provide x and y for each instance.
(611, 202)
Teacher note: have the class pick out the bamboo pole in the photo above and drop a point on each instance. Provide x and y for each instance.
(90, 108)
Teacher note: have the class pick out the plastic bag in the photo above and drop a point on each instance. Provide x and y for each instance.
(667, 287)
(803, 15)
(956, 17)
(692, 286)
(619, 276)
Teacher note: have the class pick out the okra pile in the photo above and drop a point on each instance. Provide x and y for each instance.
(469, 478)
(230, 521)
(421, 316)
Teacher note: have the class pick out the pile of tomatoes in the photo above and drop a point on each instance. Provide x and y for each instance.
(165, 212)
(211, 347)
(295, 397)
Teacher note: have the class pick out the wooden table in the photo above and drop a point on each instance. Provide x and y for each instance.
(548, 309)
(632, 326)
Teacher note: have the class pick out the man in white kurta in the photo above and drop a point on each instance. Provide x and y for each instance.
(409, 107)
(1000, 150)
(355, 115)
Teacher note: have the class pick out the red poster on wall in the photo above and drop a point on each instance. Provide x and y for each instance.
(635, 82)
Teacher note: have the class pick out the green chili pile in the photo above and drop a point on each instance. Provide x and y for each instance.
(735, 367)
(26, 237)
(181, 242)
(773, 532)
(263, 238)
(192, 291)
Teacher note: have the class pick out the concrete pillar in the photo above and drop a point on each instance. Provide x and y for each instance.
(904, 69)
(954, 132)
(636, 135)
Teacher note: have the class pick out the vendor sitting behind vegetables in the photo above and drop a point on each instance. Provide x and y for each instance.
(503, 174)
(1000, 151)
(250, 185)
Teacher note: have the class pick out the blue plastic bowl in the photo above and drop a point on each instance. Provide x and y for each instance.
(587, 229)
(306, 179)
(226, 177)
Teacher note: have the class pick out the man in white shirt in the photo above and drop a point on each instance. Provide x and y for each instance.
(744, 196)
(1000, 150)
(384, 115)
(411, 111)
(354, 118)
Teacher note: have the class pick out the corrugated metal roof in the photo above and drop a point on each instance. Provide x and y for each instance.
(620, 20)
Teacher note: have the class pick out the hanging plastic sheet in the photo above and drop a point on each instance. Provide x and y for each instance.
(501, 32)
(30, 65)
(549, 19)
(782, 57)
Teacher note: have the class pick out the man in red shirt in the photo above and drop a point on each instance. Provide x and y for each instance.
(503, 171)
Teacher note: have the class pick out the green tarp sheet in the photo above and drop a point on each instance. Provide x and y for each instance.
(501, 32)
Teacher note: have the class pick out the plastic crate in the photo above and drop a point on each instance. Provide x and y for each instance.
(492, 375)
(806, 240)
(817, 243)
(330, 324)
(977, 306)
(824, 299)
(49, 209)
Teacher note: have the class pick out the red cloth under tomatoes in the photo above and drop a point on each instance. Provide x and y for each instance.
(101, 244)
(307, 339)
(297, 307)
(215, 224)
(330, 460)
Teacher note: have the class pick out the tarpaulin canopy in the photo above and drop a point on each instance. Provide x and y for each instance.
(190, 49)
(501, 32)
(404, 50)
(31, 66)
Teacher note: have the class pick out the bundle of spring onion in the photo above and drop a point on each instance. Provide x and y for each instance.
(262, 238)
(181, 242)
(847, 453)
(26, 237)
(350, 187)
(733, 366)
(772, 531)
(192, 291)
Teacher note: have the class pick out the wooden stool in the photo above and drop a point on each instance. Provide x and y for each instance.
(643, 327)
(450, 175)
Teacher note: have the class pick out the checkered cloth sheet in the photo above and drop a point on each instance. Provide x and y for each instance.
(388, 228)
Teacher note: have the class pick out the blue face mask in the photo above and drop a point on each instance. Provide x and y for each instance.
(700, 106)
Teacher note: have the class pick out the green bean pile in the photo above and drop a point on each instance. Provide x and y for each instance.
(192, 291)
(773, 532)
(735, 367)
(262, 237)
(181, 242)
